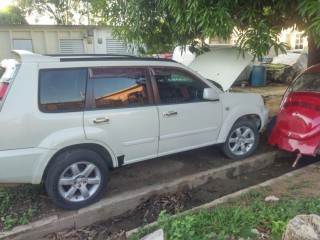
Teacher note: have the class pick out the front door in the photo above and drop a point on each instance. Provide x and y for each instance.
(187, 121)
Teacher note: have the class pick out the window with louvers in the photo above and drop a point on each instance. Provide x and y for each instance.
(114, 46)
(71, 46)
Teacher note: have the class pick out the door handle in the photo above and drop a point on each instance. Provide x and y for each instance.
(101, 120)
(170, 113)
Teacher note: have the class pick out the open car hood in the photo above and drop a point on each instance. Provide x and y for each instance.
(221, 65)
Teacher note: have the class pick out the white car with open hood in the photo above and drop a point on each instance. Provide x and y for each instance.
(68, 120)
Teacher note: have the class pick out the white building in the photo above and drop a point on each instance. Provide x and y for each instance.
(57, 39)
(294, 40)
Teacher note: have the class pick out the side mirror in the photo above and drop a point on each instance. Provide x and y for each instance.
(210, 94)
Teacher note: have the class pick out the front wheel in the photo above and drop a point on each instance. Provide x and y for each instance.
(76, 178)
(242, 140)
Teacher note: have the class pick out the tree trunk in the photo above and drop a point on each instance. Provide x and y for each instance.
(313, 52)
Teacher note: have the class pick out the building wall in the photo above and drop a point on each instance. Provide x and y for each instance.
(53, 39)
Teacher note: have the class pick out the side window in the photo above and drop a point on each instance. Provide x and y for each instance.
(119, 87)
(62, 90)
(177, 86)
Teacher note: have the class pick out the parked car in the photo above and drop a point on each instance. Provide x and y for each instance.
(68, 120)
(297, 125)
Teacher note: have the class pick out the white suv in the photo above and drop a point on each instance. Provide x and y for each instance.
(67, 120)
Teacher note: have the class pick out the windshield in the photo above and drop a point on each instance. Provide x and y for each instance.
(216, 84)
(309, 82)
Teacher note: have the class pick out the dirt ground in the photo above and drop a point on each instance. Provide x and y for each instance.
(273, 103)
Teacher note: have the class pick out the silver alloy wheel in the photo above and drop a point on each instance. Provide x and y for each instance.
(241, 140)
(79, 181)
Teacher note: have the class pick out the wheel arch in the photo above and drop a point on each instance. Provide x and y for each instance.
(255, 118)
(103, 152)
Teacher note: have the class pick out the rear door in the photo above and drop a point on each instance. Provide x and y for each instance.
(122, 114)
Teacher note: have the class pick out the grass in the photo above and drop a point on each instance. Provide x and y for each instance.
(18, 205)
(235, 219)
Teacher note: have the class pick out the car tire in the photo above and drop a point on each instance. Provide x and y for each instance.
(242, 140)
(76, 178)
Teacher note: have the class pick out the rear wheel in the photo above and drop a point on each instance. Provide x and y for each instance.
(242, 140)
(76, 178)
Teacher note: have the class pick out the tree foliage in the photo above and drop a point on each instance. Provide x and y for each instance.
(159, 24)
(309, 10)
(139, 23)
(63, 12)
(12, 15)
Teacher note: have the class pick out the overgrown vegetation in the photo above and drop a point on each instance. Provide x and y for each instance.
(239, 218)
(15, 207)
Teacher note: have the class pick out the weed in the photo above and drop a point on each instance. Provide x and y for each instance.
(5, 198)
(12, 205)
(9, 221)
(24, 220)
(254, 193)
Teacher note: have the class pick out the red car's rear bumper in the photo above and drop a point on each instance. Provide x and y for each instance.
(310, 146)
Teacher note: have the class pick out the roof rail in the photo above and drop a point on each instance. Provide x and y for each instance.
(26, 56)
(111, 58)
(90, 55)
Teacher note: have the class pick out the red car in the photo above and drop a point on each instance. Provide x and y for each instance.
(297, 125)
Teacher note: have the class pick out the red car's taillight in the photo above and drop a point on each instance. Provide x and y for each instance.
(3, 89)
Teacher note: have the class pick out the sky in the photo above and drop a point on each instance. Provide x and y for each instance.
(30, 19)
(4, 3)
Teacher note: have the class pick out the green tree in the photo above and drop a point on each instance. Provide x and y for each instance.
(257, 23)
(12, 15)
(62, 12)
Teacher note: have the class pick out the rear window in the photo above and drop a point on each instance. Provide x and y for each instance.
(308, 82)
(62, 90)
